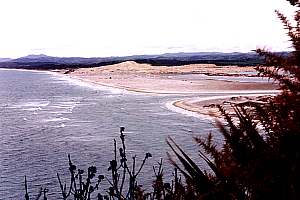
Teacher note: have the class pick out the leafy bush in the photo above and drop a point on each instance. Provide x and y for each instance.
(260, 158)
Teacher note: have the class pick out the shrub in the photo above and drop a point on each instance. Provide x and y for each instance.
(260, 158)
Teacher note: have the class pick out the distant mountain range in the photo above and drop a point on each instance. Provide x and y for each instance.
(5, 59)
(168, 59)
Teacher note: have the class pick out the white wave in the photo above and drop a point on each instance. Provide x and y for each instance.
(56, 119)
(86, 83)
(64, 107)
(59, 126)
(55, 112)
(33, 104)
(23, 70)
(170, 105)
(32, 109)
(30, 106)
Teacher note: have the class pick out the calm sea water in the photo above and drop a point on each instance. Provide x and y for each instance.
(44, 117)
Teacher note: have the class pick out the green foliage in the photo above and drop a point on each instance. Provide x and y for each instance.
(260, 158)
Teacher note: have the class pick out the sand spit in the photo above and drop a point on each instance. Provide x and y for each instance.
(206, 106)
(187, 79)
(167, 80)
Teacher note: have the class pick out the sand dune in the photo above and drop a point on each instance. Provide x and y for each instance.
(187, 79)
(161, 79)
(131, 67)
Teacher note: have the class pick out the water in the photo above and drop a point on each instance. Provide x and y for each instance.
(44, 117)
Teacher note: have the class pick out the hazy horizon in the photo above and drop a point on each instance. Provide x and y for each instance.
(149, 54)
(94, 28)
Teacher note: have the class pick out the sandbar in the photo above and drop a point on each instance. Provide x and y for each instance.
(188, 79)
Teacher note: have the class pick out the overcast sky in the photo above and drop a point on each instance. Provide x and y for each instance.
(90, 28)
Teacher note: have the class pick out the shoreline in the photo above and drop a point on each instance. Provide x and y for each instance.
(184, 80)
(189, 80)
(186, 105)
(158, 92)
(200, 106)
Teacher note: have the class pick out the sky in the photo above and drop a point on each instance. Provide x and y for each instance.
(99, 28)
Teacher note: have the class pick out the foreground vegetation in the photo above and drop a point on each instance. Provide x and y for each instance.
(260, 157)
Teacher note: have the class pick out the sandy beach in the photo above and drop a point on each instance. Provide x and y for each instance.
(188, 79)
